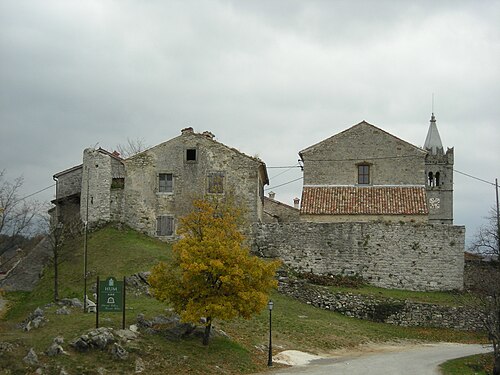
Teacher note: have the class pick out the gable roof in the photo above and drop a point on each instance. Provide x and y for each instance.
(208, 136)
(353, 128)
(355, 200)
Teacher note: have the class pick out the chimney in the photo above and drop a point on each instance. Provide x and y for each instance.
(296, 203)
(208, 134)
(187, 130)
(272, 194)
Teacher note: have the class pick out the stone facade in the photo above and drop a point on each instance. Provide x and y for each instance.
(401, 256)
(157, 186)
(392, 161)
(237, 174)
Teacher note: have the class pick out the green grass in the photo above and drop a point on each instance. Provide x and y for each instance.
(481, 364)
(439, 298)
(113, 252)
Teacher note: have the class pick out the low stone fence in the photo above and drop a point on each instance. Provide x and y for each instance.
(387, 310)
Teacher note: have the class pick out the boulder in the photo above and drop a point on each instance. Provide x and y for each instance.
(31, 359)
(119, 352)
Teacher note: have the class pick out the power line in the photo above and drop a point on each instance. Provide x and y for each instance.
(475, 178)
(279, 174)
(286, 183)
(37, 192)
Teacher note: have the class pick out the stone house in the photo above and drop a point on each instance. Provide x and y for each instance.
(372, 206)
(150, 191)
(365, 174)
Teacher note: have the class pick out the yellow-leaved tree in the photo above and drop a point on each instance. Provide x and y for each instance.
(213, 275)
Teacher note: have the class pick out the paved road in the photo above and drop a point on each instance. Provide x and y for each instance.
(419, 360)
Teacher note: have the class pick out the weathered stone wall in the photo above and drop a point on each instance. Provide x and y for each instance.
(243, 178)
(387, 310)
(69, 183)
(278, 212)
(97, 177)
(401, 256)
(392, 160)
(477, 272)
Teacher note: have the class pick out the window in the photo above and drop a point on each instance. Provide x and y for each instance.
(436, 176)
(191, 154)
(216, 182)
(166, 184)
(164, 225)
(363, 174)
(118, 183)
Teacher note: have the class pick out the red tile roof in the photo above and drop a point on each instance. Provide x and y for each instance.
(369, 200)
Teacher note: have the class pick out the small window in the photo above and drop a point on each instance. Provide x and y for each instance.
(164, 225)
(430, 178)
(363, 174)
(437, 179)
(166, 184)
(216, 182)
(117, 183)
(191, 154)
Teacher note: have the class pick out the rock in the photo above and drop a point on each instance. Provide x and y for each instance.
(71, 302)
(63, 372)
(37, 313)
(101, 371)
(63, 311)
(59, 340)
(56, 348)
(99, 338)
(5, 347)
(80, 345)
(126, 334)
(119, 352)
(139, 365)
(134, 328)
(31, 359)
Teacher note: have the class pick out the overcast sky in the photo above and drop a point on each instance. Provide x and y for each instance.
(269, 78)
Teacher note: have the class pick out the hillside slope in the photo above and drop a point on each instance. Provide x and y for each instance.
(123, 252)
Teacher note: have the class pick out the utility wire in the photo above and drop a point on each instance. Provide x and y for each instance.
(475, 178)
(279, 174)
(286, 183)
(37, 192)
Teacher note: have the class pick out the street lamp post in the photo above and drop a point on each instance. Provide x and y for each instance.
(270, 357)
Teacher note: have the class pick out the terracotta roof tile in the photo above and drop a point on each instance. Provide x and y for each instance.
(369, 200)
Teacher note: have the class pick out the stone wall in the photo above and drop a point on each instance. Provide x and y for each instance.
(398, 312)
(69, 183)
(392, 161)
(278, 212)
(243, 177)
(478, 271)
(401, 256)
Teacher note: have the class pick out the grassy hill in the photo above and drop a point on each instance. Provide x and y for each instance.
(118, 253)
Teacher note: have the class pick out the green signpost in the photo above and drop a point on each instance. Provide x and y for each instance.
(110, 297)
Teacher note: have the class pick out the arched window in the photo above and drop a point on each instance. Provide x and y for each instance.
(431, 179)
(437, 178)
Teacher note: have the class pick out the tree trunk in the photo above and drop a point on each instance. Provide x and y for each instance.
(496, 368)
(206, 335)
(56, 274)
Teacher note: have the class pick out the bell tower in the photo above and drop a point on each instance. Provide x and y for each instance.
(438, 177)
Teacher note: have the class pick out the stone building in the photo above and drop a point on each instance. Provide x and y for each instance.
(150, 191)
(365, 174)
(372, 206)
